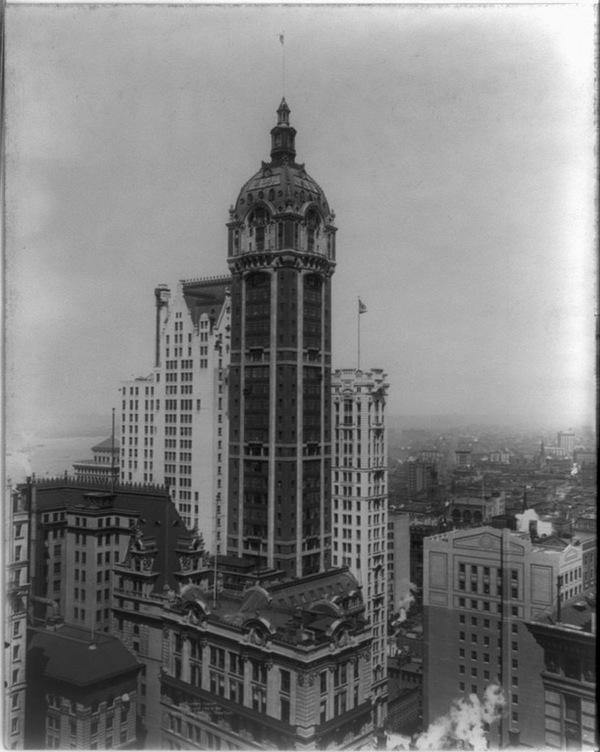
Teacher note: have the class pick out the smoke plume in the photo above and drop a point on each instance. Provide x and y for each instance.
(463, 727)
(530, 515)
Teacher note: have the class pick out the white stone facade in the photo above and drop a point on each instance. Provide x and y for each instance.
(174, 428)
(359, 498)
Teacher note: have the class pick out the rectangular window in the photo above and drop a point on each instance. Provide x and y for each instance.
(259, 672)
(323, 681)
(217, 684)
(217, 657)
(323, 711)
(236, 691)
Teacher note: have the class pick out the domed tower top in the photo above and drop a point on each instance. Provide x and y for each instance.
(283, 136)
(281, 207)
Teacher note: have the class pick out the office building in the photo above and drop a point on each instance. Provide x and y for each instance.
(173, 422)
(566, 440)
(360, 526)
(480, 587)
(463, 459)
(281, 256)
(422, 475)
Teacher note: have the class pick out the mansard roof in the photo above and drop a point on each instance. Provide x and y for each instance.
(155, 514)
(108, 445)
(205, 296)
(312, 609)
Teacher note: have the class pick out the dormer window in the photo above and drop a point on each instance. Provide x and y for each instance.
(312, 229)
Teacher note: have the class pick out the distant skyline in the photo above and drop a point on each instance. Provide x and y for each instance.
(455, 143)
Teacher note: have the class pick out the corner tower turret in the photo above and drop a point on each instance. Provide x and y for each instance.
(281, 257)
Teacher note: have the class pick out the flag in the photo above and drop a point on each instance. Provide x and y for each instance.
(362, 308)
(281, 38)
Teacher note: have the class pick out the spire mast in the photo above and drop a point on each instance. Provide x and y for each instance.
(362, 308)
(282, 42)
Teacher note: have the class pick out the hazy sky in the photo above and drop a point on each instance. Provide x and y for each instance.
(454, 143)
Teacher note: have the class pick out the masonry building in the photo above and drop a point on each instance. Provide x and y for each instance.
(173, 421)
(281, 256)
(480, 588)
(360, 501)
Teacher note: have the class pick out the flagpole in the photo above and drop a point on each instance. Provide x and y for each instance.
(358, 314)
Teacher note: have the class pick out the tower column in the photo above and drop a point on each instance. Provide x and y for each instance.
(242, 422)
(272, 423)
(280, 233)
(299, 421)
(325, 479)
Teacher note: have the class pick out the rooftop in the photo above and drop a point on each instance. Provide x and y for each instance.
(73, 655)
(578, 613)
(310, 610)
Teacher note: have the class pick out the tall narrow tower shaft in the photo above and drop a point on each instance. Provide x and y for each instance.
(281, 256)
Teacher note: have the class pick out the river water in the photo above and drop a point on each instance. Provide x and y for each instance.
(49, 457)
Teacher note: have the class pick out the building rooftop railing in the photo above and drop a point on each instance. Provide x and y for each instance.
(97, 483)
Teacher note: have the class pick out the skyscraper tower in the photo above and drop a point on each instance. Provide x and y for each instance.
(281, 256)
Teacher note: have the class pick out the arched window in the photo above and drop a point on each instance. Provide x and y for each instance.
(258, 220)
(312, 229)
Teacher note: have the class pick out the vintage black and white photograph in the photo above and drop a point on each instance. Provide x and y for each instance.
(300, 316)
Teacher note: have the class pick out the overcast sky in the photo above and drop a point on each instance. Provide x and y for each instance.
(454, 143)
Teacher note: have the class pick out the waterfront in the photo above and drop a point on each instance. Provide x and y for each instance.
(48, 457)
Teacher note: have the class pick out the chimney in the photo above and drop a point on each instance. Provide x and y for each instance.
(162, 295)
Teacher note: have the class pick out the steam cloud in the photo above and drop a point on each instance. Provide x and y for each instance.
(405, 603)
(530, 515)
(463, 726)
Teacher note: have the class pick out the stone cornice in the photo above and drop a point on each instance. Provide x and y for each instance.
(298, 260)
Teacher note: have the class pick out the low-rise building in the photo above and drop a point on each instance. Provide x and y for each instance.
(18, 532)
(476, 510)
(103, 467)
(82, 691)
